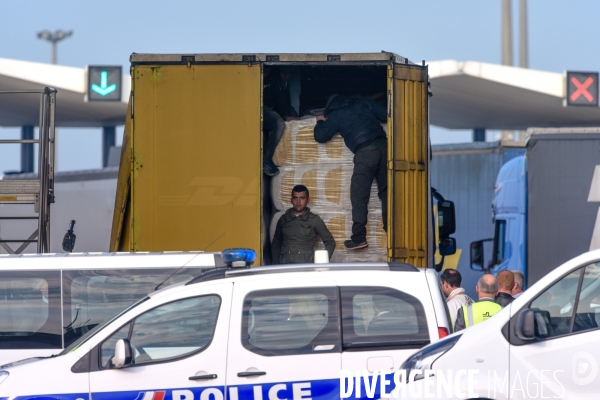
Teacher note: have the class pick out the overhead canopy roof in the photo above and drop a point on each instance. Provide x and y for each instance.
(71, 110)
(466, 95)
(469, 95)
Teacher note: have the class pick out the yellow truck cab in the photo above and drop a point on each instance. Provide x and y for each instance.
(191, 167)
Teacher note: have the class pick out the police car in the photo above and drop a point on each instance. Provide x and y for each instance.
(276, 332)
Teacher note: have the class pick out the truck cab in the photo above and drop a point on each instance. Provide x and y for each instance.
(507, 249)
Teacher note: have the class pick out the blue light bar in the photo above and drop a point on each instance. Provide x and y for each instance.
(238, 257)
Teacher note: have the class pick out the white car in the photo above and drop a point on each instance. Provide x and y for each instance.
(545, 344)
(280, 332)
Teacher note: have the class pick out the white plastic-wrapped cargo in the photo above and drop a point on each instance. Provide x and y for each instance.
(325, 169)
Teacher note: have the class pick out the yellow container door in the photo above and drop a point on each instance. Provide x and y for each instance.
(407, 167)
(196, 157)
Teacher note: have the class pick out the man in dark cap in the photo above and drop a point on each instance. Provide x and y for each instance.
(358, 120)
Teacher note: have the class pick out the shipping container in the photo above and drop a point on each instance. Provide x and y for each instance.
(191, 168)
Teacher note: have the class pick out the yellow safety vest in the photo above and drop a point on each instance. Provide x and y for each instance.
(479, 312)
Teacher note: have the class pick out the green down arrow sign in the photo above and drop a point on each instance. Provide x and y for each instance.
(104, 89)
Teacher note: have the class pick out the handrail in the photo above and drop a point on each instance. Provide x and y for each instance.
(22, 141)
(44, 196)
(24, 91)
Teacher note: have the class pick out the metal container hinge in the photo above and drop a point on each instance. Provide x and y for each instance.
(249, 58)
(272, 58)
(334, 58)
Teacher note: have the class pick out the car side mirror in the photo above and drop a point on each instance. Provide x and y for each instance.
(477, 254)
(525, 328)
(543, 326)
(533, 324)
(122, 357)
(447, 246)
(446, 218)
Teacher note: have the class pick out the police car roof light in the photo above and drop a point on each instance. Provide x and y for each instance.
(235, 258)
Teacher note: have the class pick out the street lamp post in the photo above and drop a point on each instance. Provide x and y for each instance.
(54, 38)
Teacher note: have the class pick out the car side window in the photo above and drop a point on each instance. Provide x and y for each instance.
(587, 316)
(554, 306)
(168, 332)
(30, 315)
(92, 297)
(382, 317)
(291, 321)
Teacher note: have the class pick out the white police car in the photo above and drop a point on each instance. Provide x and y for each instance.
(279, 332)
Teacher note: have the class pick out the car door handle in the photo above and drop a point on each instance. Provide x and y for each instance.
(202, 377)
(251, 373)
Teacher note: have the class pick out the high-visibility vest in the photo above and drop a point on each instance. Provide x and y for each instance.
(479, 312)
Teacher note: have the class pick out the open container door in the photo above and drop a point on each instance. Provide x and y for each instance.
(196, 164)
(408, 201)
(120, 231)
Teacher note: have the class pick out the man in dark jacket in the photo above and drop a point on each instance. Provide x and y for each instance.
(506, 282)
(297, 230)
(358, 120)
(277, 108)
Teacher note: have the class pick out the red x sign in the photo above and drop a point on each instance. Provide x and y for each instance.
(582, 88)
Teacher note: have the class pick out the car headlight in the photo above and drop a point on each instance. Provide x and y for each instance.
(423, 359)
(3, 375)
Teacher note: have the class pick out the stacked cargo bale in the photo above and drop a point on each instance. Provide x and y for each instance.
(325, 169)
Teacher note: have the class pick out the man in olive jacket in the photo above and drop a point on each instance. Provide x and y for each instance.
(297, 230)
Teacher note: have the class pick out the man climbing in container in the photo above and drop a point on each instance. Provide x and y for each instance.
(297, 230)
(358, 120)
(277, 107)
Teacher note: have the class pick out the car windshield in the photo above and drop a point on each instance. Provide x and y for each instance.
(98, 328)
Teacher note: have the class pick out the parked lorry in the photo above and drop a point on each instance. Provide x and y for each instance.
(86, 196)
(545, 208)
(466, 173)
(191, 176)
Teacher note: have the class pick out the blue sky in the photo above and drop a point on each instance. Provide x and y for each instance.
(562, 35)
